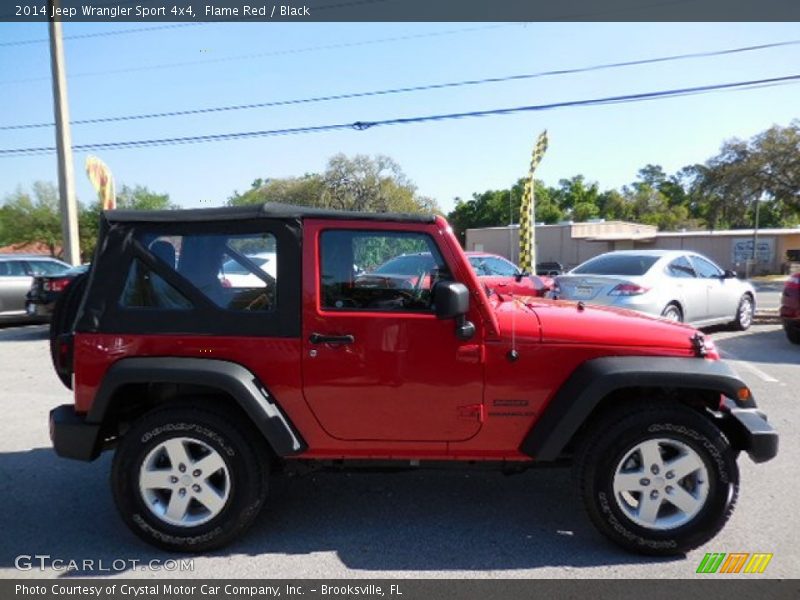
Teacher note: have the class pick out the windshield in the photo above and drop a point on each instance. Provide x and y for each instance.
(407, 265)
(617, 264)
(232, 267)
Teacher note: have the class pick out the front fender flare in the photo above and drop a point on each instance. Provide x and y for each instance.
(229, 377)
(595, 379)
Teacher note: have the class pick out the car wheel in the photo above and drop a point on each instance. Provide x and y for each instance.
(792, 333)
(660, 480)
(189, 478)
(744, 314)
(672, 312)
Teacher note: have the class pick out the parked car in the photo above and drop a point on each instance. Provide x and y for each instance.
(502, 275)
(203, 399)
(677, 285)
(16, 276)
(46, 289)
(234, 274)
(549, 269)
(790, 308)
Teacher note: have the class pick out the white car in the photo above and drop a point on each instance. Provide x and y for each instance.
(234, 274)
(674, 284)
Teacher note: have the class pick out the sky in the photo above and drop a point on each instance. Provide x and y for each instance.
(223, 64)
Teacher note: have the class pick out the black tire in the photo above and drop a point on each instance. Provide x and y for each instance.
(63, 318)
(744, 318)
(792, 333)
(245, 456)
(616, 436)
(672, 309)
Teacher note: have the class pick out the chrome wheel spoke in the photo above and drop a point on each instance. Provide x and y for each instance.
(651, 456)
(178, 504)
(210, 499)
(208, 465)
(648, 508)
(176, 452)
(684, 465)
(628, 482)
(683, 500)
(156, 480)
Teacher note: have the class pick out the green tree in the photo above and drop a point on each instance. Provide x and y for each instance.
(360, 183)
(31, 218)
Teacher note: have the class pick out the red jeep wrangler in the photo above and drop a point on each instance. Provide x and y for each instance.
(210, 347)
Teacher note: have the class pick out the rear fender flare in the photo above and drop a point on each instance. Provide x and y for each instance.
(229, 377)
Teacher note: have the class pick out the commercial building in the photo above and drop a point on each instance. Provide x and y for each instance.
(572, 243)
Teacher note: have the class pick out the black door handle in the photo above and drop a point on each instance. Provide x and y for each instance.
(318, 338)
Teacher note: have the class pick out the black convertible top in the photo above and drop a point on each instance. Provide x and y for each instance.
(255, 211)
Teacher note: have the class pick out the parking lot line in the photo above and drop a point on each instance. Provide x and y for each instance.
(751, 367)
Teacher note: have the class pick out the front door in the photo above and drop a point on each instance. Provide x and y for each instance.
(378, 364)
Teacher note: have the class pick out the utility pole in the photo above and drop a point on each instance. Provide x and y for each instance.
(66, 174)
(755, 239)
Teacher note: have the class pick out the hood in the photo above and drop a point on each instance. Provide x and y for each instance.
(565, 322)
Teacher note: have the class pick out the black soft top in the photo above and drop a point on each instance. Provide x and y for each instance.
(255, 211)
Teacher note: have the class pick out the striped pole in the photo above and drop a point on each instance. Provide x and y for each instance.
(527, 228)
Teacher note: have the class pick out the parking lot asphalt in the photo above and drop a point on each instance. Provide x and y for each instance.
(452, 524)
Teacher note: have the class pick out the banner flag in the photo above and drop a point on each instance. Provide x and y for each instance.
(102, 180)
(527, 241)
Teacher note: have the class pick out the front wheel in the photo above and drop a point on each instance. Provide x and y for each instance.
(744, 314)
(673, 313)
(659, 479)
(792, 332)
(189, 478)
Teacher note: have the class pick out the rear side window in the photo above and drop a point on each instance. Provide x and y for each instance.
(680, 267)
(11, 268)
(617, 264)
(379, 270)
(235, 272)
(47, 267)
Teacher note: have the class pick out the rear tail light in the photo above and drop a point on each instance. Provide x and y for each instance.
(56, 285)
(64, 347)
(793, 283)
(628, 289)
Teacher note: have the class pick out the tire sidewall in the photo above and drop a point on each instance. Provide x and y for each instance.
(244, 498)
(723, 482)
(738, 321)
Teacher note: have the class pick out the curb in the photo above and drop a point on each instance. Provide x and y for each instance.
(765, 317)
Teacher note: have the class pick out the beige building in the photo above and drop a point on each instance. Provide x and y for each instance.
(572, 243)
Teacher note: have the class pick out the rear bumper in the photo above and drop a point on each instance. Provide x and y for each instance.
(72, 436)
(756, 436)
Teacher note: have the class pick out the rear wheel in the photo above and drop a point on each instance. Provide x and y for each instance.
(744, 314)
(189, 478)
(672, 312)
(658, 480)
(792, 332)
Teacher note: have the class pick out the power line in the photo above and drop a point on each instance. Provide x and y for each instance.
(409, 89)
(363, 125)
(272, 53)
(83, 36)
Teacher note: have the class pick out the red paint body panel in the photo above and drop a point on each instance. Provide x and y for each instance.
(407, 387)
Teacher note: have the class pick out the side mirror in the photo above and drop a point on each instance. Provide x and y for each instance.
(450, 299)
(729, 274)
(519, 275)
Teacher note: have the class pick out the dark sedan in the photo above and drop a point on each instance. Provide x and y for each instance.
(46, 289)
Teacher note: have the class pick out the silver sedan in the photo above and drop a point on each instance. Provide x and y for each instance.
(674, 284)
(16, 275)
